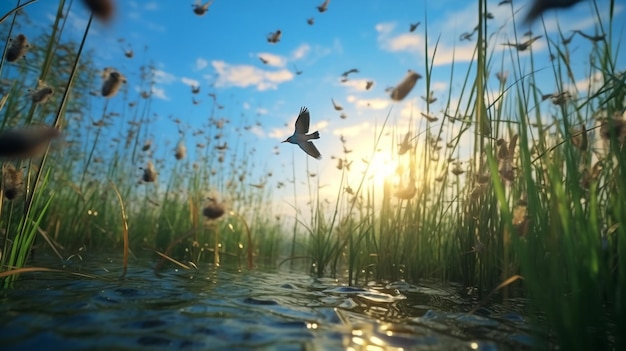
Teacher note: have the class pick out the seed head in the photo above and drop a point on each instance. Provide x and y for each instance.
(12, 181)
(42, 94)
(17, 48)
(102, 9)
(181, 151)
(113, 80)
(149, 173)
(213, 210)
(405, 86)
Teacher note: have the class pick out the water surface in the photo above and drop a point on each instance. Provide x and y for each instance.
(225, 308)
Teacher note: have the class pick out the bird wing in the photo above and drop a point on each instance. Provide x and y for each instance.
(302, 123)
(310, 149)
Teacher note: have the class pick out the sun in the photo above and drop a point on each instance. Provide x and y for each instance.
(382, 168)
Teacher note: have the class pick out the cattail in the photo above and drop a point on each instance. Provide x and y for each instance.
(26, 142)
(17, 49)
(12, 181)
(113, 80)
(42, 94)
(102, 9)
(181, 151)
(213, 210)
(615, 127)
(405, 86)
(149, 173)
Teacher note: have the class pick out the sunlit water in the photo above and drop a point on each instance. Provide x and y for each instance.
(229, 309)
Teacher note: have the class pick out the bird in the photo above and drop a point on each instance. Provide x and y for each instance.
(200, 9)
(405, 86)
(523, 46)
(413, 26)
(265, 61)
(324, 6)
(369, 84)
(310, 21)
(593, 38)
(337, 107)
(274, 37)
(539, 6)
(346, 73)
(300, 136)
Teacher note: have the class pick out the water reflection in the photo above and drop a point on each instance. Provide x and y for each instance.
(227, 309)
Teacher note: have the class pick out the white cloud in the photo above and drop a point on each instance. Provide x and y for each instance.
(159, 93)
(258, 131)
(201, 64)
(190, 82)
(245, 75)
(300, 52)
(355, 84)
(353, 130)
(405, 42)
(163, 77)
(273, 60)
(375, 103)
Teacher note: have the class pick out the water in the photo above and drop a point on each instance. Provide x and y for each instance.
(229, 309)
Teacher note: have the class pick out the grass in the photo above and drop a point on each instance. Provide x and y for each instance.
(539, 196)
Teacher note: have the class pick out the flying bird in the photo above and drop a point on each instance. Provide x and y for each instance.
(200, 9)
(274, 37)
(324, 6)
(337, 107)
(539, 6)
(346, 73)
(195, 89)
(413, 26)
(593, 38)
(265, 61)
(300, 136)
(310, 21)
(369, 84)
(523, 46)
(405, 86)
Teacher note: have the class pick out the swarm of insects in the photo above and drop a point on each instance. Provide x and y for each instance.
(12, 181)
(113, 80)
(17, 48)
(42, 94)
(26, 142)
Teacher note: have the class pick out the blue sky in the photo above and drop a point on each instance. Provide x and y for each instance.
(220, 52)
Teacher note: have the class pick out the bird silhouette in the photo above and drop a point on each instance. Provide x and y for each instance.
(413, 27)
(200, 9)
(540, 6)
(274, 37)
(337, 107)
(300, 136)
(324, 6)
(523, 46)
